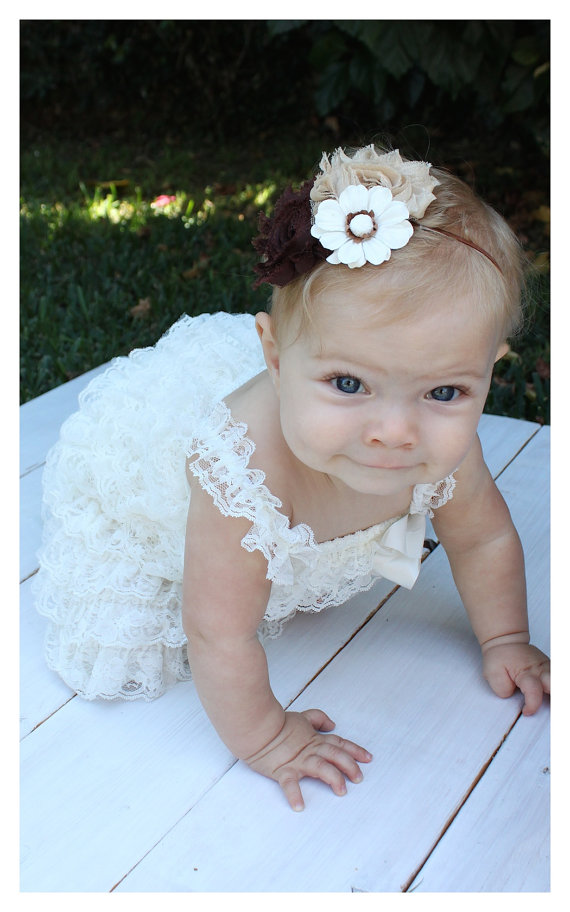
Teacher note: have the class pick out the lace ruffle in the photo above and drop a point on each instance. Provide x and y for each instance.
(115, 504)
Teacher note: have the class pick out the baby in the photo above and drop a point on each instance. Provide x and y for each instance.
(317, 441)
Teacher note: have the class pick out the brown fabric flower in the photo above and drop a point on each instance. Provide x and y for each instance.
(285, 241)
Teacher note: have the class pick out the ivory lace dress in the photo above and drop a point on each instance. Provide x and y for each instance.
(115, 504)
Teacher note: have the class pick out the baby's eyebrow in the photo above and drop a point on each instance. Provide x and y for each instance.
(450, 373)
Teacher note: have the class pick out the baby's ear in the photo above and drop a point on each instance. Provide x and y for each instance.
(502, 350)
(266, 333)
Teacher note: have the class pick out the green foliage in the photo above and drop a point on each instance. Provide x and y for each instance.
(521, 380)
(398, 67)
(225, 76)
(164, 75)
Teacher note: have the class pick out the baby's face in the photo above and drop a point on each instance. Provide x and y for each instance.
(383, 405)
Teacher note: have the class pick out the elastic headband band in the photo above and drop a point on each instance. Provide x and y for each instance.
(458, 237)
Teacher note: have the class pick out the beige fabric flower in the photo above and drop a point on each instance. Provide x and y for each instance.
(409, 181)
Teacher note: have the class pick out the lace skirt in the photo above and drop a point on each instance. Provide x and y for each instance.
(115, 501)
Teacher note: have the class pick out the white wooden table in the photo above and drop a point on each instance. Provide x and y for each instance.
(143, 797)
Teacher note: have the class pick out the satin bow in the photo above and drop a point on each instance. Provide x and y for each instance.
(399, 550)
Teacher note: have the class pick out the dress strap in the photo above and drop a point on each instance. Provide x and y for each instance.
(429, 497)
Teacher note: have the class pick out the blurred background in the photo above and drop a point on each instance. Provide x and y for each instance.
(149, 147)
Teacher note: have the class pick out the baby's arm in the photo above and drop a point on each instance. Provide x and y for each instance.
(224, 600)
(487, 562)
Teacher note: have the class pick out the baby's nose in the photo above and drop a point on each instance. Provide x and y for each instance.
(393, 428)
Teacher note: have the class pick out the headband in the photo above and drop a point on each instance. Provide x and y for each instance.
(355, 211)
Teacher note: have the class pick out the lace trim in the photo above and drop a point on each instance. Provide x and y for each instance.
(429, 497)
(220, 462)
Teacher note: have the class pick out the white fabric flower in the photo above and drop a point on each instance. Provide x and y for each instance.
(362, 226)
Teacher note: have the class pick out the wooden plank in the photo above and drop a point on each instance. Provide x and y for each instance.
(102, 782)
(42, 692)
(30, 521)
(512, 797)
(409, 687)
(41, 418)
(502, 438)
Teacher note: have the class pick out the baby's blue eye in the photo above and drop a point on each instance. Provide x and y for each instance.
(347, 384)
(444, 393)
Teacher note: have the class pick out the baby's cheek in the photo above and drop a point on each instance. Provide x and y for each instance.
(299, 434)
(454, 445)
(304, 424)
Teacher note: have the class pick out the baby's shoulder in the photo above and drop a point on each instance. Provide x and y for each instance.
(256, 404)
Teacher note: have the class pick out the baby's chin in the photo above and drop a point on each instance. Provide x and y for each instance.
(377, 481)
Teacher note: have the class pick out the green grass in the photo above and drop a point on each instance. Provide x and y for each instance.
(103, 272)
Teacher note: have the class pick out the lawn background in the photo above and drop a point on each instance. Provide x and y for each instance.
(213, 119)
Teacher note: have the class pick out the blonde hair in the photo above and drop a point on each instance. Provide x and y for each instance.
(430, 266)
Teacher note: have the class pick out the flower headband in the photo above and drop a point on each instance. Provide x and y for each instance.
(355, 211)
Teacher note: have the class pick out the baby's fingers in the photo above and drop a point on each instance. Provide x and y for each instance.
(500, 681)
(292, 790)
(355, 751)
(316, 767)
(532, 688)
(331, 761)
(318, 719)
(343, 756)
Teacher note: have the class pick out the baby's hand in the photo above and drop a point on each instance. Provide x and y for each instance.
(300, 750)
(508, 665)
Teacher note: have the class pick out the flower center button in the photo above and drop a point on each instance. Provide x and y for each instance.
(361, 225)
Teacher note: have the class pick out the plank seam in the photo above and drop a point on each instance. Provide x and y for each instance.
(39, 724)
(175, 824)
(374, 611)
(519, 451)
(405, 888)
(29, 576)
(32, 468)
